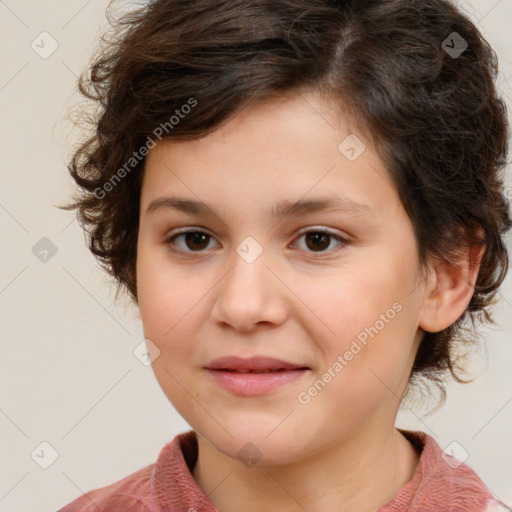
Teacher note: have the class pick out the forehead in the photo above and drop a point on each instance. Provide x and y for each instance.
(295, 146)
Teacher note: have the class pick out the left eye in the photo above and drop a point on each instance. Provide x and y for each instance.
(197, 241)
(320, 239)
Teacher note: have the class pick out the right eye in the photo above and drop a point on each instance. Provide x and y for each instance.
(191, 239)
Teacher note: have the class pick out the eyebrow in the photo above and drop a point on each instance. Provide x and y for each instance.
(280, 211)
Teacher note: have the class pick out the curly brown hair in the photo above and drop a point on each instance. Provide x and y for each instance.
(417, 74)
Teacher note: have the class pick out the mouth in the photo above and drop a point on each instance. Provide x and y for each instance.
(254, 376)
(258, 364)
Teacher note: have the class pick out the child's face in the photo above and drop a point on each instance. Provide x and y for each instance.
(349, 312)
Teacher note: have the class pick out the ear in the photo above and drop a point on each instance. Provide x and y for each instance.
(450, 287)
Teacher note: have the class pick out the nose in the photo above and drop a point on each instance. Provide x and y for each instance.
(250, 294)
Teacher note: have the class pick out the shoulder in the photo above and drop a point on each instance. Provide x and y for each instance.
(166, 484)
(443, 482)
(131, 494)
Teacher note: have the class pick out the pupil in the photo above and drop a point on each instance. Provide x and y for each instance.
(316, 237)
(196, 238)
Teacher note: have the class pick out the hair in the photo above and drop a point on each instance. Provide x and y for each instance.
(184, 67)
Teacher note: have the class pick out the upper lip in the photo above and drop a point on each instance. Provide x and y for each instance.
(252, 363)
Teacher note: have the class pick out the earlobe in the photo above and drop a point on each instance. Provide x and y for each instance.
(450, 289)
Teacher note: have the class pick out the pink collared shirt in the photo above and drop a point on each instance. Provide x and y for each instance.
(440, 484)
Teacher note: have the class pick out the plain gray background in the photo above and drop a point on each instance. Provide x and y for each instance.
(69, 377)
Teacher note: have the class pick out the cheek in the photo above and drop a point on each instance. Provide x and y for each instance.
(168, 303)
(368, 318)
(169, 298)
(345, 304)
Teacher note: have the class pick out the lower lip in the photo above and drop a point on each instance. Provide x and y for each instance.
(250, 384)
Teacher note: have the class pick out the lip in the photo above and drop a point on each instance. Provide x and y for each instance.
(237, 375)
(257, 363)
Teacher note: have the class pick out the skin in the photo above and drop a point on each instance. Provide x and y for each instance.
(304, 303)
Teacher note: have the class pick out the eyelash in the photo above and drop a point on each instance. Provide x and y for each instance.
(343, 241)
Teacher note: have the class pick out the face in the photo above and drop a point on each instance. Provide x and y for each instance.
(321, 305)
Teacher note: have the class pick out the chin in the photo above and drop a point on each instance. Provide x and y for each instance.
(255, 443)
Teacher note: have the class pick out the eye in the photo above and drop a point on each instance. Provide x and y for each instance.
(316, 240)
(192, 239)
(320, 239)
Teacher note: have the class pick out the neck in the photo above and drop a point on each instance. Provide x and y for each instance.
(355, 475)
